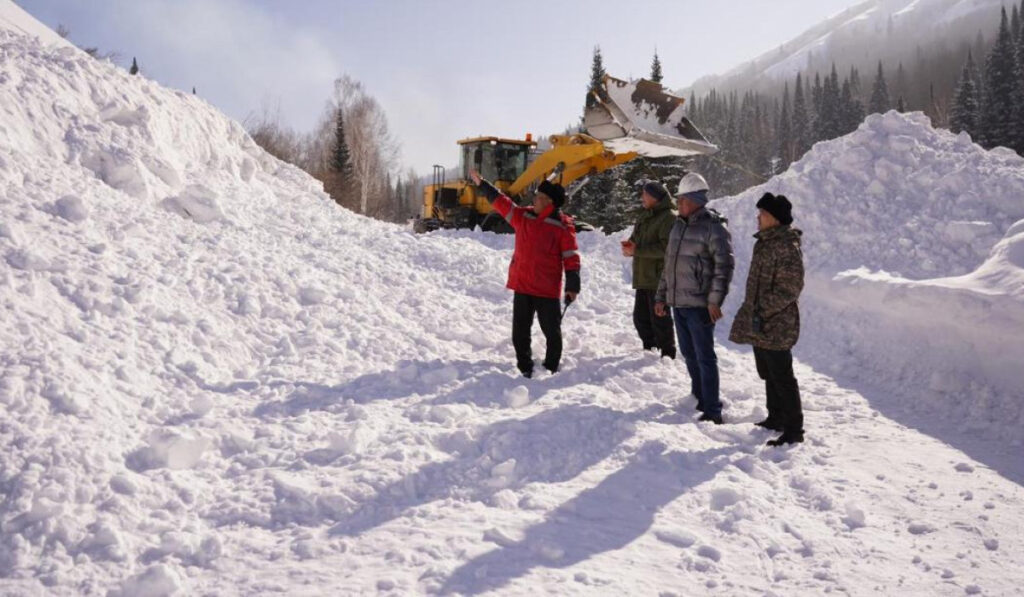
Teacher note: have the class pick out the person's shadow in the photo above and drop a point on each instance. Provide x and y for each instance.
(607, 517)
(551, 447)
(408, 378)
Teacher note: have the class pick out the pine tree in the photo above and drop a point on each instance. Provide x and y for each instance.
(817, 93)
(1015, 25)
(999, 112)
(785, 131)
(597, 74)
(656, 68)
(880, 94)
(1018, 142)
(134, 70)
(901, 105)
(852, 110)
(340, 166)
(801, 121)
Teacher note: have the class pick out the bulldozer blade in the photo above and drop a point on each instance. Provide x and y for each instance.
(640, 117)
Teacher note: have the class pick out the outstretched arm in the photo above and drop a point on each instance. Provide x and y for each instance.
(500, 201)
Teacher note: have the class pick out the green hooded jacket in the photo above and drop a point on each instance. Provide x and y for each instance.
(650, 234)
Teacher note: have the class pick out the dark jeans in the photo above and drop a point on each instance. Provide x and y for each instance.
(697, 344)
(654, 331)
(549, 313)
(775, 367)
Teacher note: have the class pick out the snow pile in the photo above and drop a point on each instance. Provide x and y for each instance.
(911, 285)
(215, 381)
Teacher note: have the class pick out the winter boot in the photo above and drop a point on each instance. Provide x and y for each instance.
(668, 352)
(716, 419)
(770, 424)
(787, 437)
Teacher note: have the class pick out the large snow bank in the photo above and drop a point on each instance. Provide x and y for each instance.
(911, 285)
(215, 381)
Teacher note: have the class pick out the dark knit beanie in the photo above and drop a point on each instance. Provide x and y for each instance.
(656, 190)
(553, 190)
(777, 205)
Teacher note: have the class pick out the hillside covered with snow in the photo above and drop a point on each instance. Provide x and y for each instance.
(215, 381)
(861, 36)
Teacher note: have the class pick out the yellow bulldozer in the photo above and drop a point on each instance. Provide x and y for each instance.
(623, 120)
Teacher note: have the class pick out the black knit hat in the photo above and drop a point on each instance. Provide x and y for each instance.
(656, 190)
(553, 190)
(777, 205)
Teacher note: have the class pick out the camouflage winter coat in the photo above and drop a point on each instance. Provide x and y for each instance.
(773, 286)
(651, 237)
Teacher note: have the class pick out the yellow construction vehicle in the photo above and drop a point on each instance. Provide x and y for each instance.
(623, 121)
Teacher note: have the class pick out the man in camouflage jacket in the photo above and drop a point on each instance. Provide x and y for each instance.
(769, 318)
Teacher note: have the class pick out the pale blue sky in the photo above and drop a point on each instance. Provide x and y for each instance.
(442, 70)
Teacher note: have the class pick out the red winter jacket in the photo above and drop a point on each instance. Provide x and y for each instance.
(545, 244)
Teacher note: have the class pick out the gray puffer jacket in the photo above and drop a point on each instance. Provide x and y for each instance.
(698, 262)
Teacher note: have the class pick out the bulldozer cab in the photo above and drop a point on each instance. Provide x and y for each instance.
(496, 159)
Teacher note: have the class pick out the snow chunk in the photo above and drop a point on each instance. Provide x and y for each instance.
(677, 538)
(854, 518)
(71, 208)
(197, 203)
(155, 581)
(168, 449)
(724, 497)
(353, 441)
(517, 397)
(921, 528)
(309, 295)
(711, 553)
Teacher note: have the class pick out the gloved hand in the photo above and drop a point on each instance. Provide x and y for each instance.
(569, 298)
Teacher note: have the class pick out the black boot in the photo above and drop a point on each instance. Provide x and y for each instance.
(668, 352)
(787, 437)
(770, 423)
(716, 419)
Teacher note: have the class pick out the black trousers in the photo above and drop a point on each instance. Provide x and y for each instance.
(549, 313)
(655, 332)
(775, 367)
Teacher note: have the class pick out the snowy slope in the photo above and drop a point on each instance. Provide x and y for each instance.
(14, 18)
(872, 27)
(911, 283)
(214, 381)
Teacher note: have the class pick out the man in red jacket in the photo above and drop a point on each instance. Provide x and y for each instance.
(545, 246)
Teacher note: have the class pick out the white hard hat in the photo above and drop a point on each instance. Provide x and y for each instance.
(692, 183)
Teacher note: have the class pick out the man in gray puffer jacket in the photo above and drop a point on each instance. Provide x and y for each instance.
(698, 269)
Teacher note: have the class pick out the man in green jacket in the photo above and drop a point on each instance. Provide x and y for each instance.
(769, 318)
(647, 248)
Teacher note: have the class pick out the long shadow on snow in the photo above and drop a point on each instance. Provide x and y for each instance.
(408, 378)
(489, 388)
(902, 405)
(604, 518)
(551, 447)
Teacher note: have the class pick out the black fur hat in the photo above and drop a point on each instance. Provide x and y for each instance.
(777, 205)
(553, 190)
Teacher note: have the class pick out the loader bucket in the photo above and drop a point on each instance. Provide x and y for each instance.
(640, 117)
